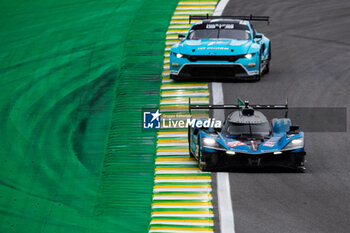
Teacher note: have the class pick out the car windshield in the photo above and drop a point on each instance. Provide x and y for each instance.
(247, 130)
(219, 34)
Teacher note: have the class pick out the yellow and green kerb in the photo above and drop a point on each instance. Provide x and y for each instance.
(182, 194)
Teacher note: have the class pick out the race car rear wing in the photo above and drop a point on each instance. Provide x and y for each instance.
(249, 17)
(241, 105)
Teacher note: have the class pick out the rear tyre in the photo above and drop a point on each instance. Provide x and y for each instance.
(267, 67)
(301, 170)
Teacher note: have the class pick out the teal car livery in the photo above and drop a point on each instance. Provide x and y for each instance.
(221, 47)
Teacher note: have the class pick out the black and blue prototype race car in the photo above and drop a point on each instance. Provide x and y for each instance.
(247, 139)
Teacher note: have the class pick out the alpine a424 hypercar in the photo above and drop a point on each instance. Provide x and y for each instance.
(221, 46)
(247, 139)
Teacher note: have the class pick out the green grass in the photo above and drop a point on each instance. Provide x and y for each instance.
(65, 66)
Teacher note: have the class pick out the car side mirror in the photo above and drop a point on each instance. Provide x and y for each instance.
(212, 130)
(293, 129)
(217, 129)
(258, 36)
(181, 36)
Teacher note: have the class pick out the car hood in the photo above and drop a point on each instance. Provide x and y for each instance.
(214, 47)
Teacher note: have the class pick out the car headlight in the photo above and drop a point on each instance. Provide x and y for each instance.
(179, 55)
(248, 56)
(212, 144)
(209, 141)
(295, 144)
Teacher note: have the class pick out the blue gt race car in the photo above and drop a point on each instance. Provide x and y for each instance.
(221, 46)
(247, 139)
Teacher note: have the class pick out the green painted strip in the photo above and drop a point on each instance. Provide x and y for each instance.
(65, 66)
(129, 161)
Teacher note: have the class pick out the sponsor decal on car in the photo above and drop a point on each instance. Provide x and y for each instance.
(220, 25)
(269, 144)
(235, 143)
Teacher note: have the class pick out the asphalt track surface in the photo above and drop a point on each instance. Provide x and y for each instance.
(310, 52)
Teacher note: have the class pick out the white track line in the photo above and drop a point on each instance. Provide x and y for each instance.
(220, 7)
(225, 203)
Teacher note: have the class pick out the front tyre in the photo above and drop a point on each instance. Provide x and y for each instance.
(174, 77)
(189, 143)
(258, 76)
(201, 164)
